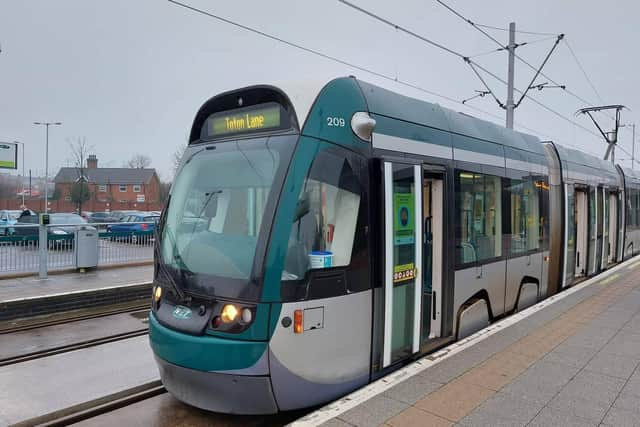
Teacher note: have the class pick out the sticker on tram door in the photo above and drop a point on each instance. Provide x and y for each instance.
(403, 273)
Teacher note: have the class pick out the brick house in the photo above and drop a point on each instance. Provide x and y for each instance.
(111, 189)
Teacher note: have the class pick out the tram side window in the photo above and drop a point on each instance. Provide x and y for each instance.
(525, 215)
(324, 229)
(633, 216)
(479, 213)
(630, 208)
(636, 208)
(542, 187)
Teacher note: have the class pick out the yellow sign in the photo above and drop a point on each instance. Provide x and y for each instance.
(246, 121)
(403, 272)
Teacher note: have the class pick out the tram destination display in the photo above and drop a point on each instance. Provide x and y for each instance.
(245, 120)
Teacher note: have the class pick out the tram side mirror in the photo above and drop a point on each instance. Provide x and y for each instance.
(302, 207)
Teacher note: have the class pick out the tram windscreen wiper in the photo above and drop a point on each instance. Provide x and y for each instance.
(209, 196)
(163, 267)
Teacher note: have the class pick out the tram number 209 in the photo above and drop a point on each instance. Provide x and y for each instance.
(335, 122)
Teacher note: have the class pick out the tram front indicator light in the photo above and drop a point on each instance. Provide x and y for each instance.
(157, 294)
(229, 313)
(297, 322)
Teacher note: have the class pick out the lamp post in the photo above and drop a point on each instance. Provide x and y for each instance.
(22, 177)
(633, 142)
(46, 164)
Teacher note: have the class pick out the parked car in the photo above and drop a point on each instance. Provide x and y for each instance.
(8, 218)
(62, 228)
(121, 215)
(102, 217)
(133, 226)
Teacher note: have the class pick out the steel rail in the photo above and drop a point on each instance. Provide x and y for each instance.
(65, 320)
(96, 407)
(39, 354)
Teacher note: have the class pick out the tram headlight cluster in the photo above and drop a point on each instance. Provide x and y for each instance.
(232, 318)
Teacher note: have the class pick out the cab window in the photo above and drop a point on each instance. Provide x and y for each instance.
(326, 216)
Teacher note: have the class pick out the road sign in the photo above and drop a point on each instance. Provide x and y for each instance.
(8, 155)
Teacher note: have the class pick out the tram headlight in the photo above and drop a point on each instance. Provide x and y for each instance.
(229, 313)
(157, 295)
(247, 316)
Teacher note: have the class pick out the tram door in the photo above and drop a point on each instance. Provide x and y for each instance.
(613, 227)
(432, 208)
(582, 228)
(409, 220)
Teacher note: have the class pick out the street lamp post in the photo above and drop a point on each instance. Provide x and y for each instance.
(22, 177)
(46, 163)
(633, 143)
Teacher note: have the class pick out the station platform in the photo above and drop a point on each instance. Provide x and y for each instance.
(30, 296)
(571, 360)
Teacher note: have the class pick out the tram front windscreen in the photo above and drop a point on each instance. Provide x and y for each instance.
(222, 204)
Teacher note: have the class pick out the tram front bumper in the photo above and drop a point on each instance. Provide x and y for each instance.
(213, 391)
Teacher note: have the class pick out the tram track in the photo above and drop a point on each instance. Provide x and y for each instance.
(96, 407)
(61, 320)
(72, 347)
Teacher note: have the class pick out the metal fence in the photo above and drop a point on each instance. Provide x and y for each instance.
(20, 247)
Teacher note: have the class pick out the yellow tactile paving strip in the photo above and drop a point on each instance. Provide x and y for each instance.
(455, 400)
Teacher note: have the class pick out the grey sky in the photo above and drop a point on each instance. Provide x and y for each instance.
(130, 75)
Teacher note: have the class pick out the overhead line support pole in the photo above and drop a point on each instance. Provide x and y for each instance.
(511, 48)
(633, 146)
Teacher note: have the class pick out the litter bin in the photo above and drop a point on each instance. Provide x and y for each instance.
(86, 247)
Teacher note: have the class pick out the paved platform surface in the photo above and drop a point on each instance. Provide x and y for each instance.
(574, 362)
(32, 287)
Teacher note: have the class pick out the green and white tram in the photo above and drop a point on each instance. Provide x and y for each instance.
(315, 240)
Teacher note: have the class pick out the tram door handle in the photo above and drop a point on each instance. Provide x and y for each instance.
(478, 272)
(528, 260)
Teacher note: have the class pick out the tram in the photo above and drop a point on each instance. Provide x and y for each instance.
(317, 238)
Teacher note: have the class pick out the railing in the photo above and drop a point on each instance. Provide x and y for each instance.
(20, 248)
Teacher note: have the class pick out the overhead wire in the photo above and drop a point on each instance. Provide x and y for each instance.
(340, 61)
(535, 33)
(398, 27)
(502, 49)
(632, 158)
(382, 75)
(468, 60)
(525, 62)
(586, 76)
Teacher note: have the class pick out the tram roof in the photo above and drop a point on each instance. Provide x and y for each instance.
(585, 167)
(631, 175)
(387, 103)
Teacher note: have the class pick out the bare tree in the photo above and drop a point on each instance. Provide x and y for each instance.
(177, 158)
(80, 152)
(139, 161)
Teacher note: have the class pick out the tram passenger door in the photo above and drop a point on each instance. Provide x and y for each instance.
(613, 227)
(432, 205)
(582, 218)
(409, 220)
